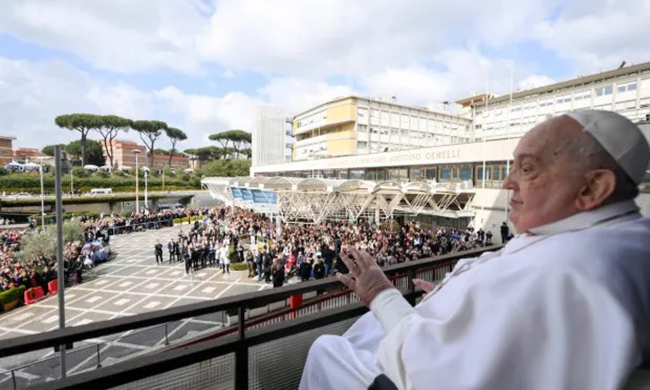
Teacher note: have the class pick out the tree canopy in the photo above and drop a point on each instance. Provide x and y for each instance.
(94, 151)
(238, 138)
(83, 123)
(207, 153)
(110, 126)
(49, 150)
(149, 131)
(174, 136)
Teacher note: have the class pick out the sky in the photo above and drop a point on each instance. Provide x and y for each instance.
(203, 65)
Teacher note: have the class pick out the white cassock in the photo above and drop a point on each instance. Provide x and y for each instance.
(565, 308)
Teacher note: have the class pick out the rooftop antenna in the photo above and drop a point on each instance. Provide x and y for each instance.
(622, 65)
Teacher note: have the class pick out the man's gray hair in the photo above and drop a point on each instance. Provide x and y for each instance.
(592, 155)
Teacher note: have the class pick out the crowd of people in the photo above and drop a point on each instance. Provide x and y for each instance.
(221, 236)
(307, 251)
(79, 254)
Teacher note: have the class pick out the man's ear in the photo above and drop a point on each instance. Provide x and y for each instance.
(599, 185)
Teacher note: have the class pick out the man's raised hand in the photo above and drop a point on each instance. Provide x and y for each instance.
(366, 279)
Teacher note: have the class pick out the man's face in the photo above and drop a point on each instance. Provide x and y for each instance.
(545, 180)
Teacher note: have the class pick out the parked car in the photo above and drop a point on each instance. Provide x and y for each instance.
(172, 207)
(101, 191)
(99, 251)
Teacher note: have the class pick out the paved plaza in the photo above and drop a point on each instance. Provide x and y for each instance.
(130, 283)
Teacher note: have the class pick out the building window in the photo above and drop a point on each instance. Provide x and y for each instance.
(626, 87)
(417, 174)
(357, 174)
(431, 173)
(362, 128)
(445, 174)
(466, 173)
(362, 144)
(397, 174)
(602, 91)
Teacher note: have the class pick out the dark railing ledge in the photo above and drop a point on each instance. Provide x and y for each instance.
(70, 335)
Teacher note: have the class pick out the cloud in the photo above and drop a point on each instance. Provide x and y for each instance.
(535, 81)
(121, 99)
(325, 37)
(121, 36)
(204, 115)
(598, 35)
(33, 94)
(296, 94)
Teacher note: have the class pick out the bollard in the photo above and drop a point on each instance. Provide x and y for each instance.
(99, 361)
(13, 378)
(295, 302)
(166, 335)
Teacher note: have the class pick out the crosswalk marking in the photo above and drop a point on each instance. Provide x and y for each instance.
(151, 305)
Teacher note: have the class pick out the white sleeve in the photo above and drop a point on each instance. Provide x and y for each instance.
(541, 330)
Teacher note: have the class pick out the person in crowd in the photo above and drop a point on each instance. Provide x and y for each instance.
(305, 270)
(505, 232)
(277, 274)
(170, 250)
(319, 269)
(250, 262)
(225, 259)
(158, 250)
(564, 305)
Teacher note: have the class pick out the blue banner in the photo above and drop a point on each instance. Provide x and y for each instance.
(266, 197)
(246, 194)
(236, 193)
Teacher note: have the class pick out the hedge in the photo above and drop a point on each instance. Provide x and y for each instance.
(26, 182)
(191, 219)
(66, 216)
(11, 295)
(239, 266)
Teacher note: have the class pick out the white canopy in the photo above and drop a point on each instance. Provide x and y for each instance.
(316, 199)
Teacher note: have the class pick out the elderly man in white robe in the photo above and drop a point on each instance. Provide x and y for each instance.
(564, 305)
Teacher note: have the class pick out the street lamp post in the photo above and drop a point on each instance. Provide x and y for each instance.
(42, 199)
(146, 190)
(137, 183)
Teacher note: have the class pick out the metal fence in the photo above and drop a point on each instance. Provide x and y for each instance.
(250, 354)
(144, 225)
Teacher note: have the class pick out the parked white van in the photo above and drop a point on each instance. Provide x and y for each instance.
(101, 191)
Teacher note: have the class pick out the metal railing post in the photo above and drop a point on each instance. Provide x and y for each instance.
(410, 275)
(241, 353)
(13, 378)
(166, 334)
(99, 361)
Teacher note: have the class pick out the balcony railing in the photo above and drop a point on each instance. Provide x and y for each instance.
(260, 352)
